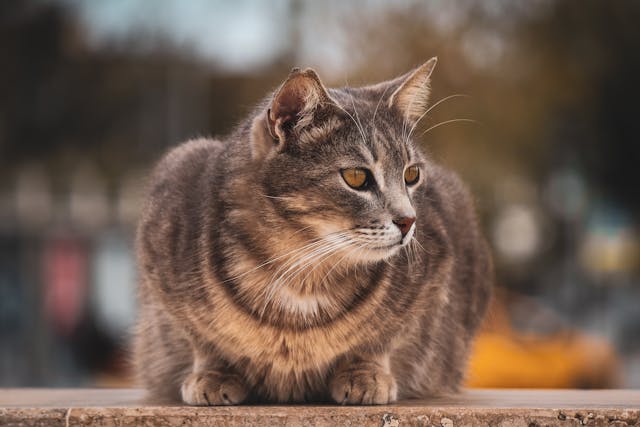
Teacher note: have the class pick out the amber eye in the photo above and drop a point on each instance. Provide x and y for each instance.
(411, 175)
(355, 177)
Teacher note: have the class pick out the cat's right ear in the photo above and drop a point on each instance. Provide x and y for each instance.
(411, 98)
(293, 108)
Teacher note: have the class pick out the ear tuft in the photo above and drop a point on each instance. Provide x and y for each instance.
(412, 97)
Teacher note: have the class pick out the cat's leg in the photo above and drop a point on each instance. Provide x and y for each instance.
(211, 382)
(363, 380)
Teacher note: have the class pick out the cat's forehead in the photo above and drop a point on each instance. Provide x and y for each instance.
(369, 127)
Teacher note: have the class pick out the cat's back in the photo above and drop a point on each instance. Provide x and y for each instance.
(447, 191)
(181, 164)
(176, 179)
(450, 200)
(172, 215)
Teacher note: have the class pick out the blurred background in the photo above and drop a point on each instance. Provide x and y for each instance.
(93, 92)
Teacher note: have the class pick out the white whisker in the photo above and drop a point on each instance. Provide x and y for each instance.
(317, 258)
(355, 110)
(457, 95)
(364, 139)
(373, 119)
(450, 121)
(275, 197)
(272, 260)
(345, 245)
(293, 267)
(419, 245)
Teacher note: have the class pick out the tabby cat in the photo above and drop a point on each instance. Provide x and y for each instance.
(316, 254)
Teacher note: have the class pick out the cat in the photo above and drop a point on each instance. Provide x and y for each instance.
(314, 255)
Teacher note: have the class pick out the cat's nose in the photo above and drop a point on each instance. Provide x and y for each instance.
(404, 224)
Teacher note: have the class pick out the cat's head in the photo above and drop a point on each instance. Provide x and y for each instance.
(340, 164)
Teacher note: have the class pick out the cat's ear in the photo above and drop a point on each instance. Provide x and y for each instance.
(295, 105)
(412, 97)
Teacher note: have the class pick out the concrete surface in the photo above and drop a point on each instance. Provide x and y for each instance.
(126, 407)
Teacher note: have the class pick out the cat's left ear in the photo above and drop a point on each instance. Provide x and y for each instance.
(296, 104)
(412, 97)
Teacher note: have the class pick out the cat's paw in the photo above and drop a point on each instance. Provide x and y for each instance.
(363, 384)
(213, 388)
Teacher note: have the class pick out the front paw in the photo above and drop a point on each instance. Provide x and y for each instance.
(363, 383)
(213, 388)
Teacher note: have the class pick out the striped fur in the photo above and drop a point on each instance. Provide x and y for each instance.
(261, 273)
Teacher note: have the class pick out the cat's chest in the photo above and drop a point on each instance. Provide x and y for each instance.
(284, 349)
(300, 329)
(240, 335)
(295, 298)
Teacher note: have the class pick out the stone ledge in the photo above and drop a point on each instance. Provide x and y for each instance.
(125, 407)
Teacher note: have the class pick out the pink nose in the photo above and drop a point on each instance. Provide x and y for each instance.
(404, 224)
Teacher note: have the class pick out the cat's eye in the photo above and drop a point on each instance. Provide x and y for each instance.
(355, 177)
(411, 175)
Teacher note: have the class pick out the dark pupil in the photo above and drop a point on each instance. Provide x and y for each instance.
(412, 175)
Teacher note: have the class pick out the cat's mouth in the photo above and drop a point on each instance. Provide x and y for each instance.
(387, 247)
(388, 250)
(400, 243)
(383, 246)
(407, 238)
(378, 253)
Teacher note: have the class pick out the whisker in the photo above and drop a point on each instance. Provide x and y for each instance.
(318, 260)
(298, 264)
(355, 110)
(274, 197)
(302, 229)
(373, 119)
(446, 98)
(304, 279)
(272, 260)
(450, 121)
(318, 251)
(283, 281)
(419, 245)
(293, 266)
(314, 243)
(338, 263)
(341, 108)
(413, 98)
(415, 255)
(404, 129)
(407, 254)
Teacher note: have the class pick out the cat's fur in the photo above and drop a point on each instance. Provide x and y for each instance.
(259, 277)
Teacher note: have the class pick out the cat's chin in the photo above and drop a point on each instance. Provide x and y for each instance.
(376, 254)
(383, 252)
